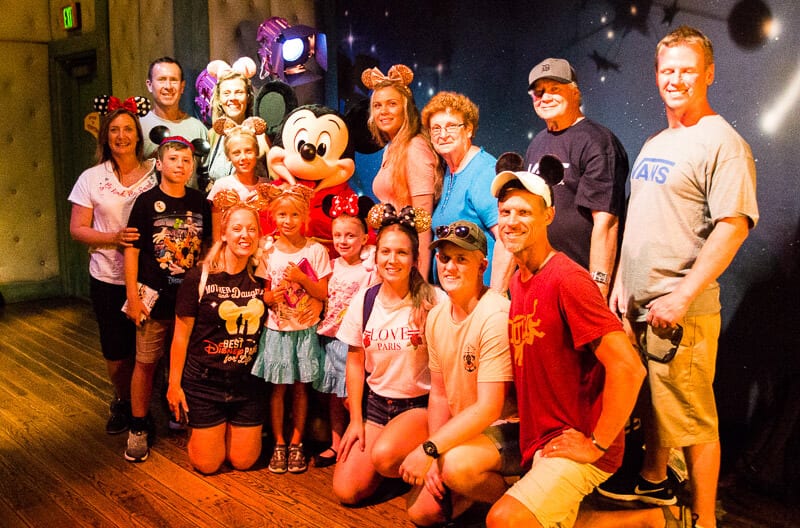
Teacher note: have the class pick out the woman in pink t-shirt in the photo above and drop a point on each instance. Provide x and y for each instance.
(410, 172)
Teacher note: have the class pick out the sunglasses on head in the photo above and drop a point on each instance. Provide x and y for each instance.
(675, 336)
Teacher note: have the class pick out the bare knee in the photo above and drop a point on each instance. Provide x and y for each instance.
(384, 459)
(457, 472)
(242, 462)
(347, 493)
(424, 515)
(205, 465)
(509, 512)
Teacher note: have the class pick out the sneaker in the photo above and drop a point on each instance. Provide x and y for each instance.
(120, 418)
(627, 489)
(297, 459)
(138, 449)
(278, 464)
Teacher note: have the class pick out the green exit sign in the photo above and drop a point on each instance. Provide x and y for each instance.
(71, 16)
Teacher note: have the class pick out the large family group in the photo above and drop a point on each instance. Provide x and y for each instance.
(481, 333)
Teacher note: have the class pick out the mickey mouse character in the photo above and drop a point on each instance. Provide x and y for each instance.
(309, 152)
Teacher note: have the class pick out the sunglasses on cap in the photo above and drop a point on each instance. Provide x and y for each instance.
(459, 231)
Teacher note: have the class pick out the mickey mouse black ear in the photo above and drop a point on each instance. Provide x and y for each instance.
(365, 203)
(201, 146)
(551, 169)
(360, 137)
(327, 203)
(509, 161)
(158, 133)
(274, 102)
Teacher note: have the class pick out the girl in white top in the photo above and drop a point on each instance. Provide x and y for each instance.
(390, 353)
(297, 271)
(241, 148)
(353, 270)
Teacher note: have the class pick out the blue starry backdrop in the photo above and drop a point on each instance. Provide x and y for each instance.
(486, 49)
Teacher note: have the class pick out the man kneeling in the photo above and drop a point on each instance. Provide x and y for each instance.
(470, 366)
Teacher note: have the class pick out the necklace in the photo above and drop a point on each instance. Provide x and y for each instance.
(546, 260)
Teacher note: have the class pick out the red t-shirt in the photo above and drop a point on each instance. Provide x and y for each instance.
(559, 380)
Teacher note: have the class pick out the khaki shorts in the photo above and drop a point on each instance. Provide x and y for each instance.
(682, 391)
(152, 339)
(554, 487)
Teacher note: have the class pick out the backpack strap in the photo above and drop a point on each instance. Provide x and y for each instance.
(202, 286)
(369, 302)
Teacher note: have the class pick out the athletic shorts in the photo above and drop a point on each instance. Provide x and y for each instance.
(117, 332)
(505, 437)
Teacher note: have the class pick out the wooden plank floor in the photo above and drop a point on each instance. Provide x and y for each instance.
(59, 468)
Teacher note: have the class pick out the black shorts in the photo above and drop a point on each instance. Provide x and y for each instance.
(505, 437)
(381, 410)
(215, 398)
(117, 332)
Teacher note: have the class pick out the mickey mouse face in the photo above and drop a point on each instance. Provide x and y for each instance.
(314, 144)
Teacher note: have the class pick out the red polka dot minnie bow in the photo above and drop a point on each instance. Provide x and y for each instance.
(347, 205)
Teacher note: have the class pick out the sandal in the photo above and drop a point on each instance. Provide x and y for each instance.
(685, 520)
(321, 461)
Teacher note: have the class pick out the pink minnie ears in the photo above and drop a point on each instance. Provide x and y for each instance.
(397, 74)
(108, 103)
(244, 65)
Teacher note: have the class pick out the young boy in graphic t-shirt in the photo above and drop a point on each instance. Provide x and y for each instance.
(173, 222)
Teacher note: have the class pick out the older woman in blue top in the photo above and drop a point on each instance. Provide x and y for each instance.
(452, 120)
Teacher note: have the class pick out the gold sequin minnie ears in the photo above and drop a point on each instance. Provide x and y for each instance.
(108, 103)
(383, 215)
(397, 74)
(264, 195)
(224, 125)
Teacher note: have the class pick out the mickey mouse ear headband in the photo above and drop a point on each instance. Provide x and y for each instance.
(397, 74)
(385, 214)
(265, 194)
(160, 134)
(244, 65)
(108, 103)
(255, 125)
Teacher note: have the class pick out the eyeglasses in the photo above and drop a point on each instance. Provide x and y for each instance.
(675, 336)
(460, 231)
(436, 130)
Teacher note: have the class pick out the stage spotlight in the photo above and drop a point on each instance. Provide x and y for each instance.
(287, 52)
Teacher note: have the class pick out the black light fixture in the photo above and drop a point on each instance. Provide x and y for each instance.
(287, 51)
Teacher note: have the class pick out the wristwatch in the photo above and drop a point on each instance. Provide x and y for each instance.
(430, 449)
(600, 276)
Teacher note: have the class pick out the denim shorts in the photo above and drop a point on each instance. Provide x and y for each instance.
(381, 410)
(219, 397)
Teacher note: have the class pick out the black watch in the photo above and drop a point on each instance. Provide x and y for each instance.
(430, 449)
